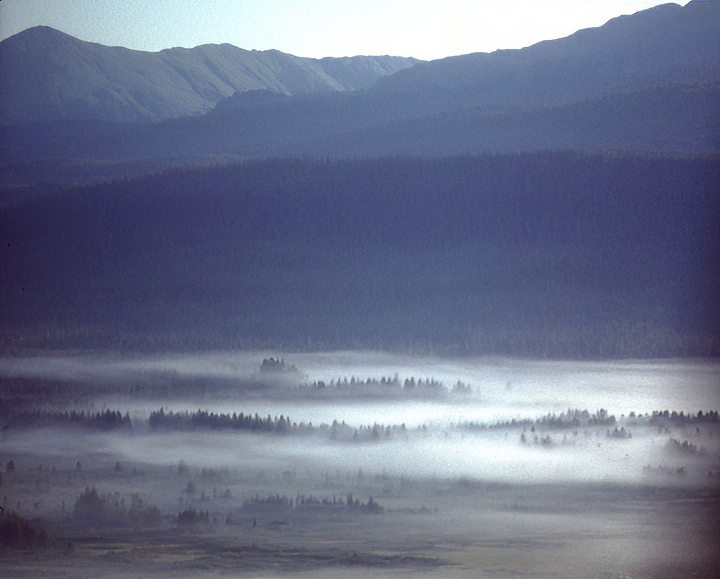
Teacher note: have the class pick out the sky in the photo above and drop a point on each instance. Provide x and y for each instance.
(425, 29)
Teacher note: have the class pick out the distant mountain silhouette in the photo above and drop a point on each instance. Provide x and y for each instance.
(683, 117)
(48, 75)
(648, 81)
(663, 45)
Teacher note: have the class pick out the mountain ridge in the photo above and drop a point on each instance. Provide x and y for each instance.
(568, 208)
(54, 76)
(529, 99)
(628, 52)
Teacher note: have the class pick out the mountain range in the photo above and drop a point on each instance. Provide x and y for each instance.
(558, 200)
(648, 81)
(48, 75)
(664, 45)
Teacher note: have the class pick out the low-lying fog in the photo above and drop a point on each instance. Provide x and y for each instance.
(502, 389)
(269, 463)
(437, 441)
(490, 457)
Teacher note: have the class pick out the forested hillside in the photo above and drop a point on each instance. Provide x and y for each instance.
(557, 200)
(550, 254)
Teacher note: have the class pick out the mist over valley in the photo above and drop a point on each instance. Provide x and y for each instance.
(241, 446)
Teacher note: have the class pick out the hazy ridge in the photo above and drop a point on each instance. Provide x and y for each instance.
(48, 75)
(645, 82)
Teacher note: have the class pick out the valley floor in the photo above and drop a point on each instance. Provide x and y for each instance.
(94, 481)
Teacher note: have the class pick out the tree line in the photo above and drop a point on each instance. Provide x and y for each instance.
(302, 501)
(160, 419)
(105, 420)
(204, 420)
(385, 385)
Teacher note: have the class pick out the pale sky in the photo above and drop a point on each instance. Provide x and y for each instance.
(425, 29)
